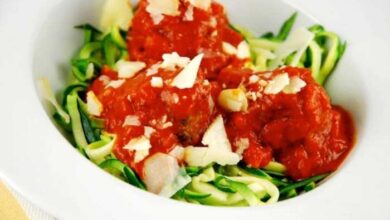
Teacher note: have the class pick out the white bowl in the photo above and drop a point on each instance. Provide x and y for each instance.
(39, 39)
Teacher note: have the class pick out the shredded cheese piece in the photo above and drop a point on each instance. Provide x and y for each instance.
(158, 8)
(297, 41)
(177, 152)
(254, 79)
(295, 86)
(215, 135)
(104, 79)
(173, 60)
(141, 146)
(128, 69)
(187, 77)
(242, 144)
(157, 82)
(116, 13)
(94, 106)
(243, 50)
(115, 83)
(277, 84)
(153, 70)
(131, 120)
(202, 4)
(228, 48)
(189, 14)
(148, 131)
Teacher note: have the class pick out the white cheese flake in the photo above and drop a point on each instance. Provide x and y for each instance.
(242, 144)
(254, 79)
(141, 146)
(203, 156)
(157, 18)
(116, 13)
(229, 48)
(131, 120)
(94, 106)
(169, 98)
(104, 79)
(115, 83)
(164, 118)
(202, 4)
(153, 70)
(233, 100)
(215, 136)
(251, 96)
(277, 84)
(157, 82)
(175, 98)
(187, 77)
(173, 60)
(189, 14)
(160, 170)
(295, 86)
(177, 152)
(263, 83)
(167, 125)
(297, 41)
(128, 69)
(213, 22)
(243, 50)
(158, 8)
(148, 131)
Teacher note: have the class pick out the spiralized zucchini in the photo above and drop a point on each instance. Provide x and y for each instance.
(321, 55)
(211, 185)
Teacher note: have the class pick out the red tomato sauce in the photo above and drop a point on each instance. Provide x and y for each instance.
(205, 34)
(303, 131)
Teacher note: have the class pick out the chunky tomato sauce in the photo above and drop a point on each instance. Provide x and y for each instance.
(303, 131)
(205, 34)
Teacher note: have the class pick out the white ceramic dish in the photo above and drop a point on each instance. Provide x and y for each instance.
(37, 39)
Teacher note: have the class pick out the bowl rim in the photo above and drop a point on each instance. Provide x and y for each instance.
(37, 117)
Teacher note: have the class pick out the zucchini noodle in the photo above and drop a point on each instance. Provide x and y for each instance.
(321, 54)
(215, 185)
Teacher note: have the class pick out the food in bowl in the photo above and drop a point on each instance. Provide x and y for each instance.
(174, 99)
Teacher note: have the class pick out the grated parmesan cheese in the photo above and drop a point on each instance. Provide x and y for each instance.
(173, 60)
(104, 79)
(277, 84)
(242, 144)
(127, 69)
(254, 79)
(295, 86)
(131, 120)
(243, 50)
(157, 82)
(158, 8)
(187, 77)
(228, 48)
(115, 83)
(148, 131)
(153, 70)
(189, 14)
(202, 4)
(141, 146)
(94, 106)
